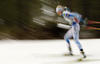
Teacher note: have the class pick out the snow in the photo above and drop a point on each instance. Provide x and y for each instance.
(47, 52)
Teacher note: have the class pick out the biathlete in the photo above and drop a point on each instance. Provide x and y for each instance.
(73, 18)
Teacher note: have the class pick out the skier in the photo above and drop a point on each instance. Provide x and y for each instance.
(73, 18)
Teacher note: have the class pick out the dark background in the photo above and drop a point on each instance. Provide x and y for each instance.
(37, 19)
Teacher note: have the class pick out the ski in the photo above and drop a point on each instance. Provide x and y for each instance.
(81, 59)
(56, 55)
(85, 60)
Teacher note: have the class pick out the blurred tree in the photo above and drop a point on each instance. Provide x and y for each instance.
(8, 12)
(21, 16)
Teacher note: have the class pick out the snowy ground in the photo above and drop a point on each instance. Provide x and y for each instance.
(47, 52)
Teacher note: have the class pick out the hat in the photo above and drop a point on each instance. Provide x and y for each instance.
(59, 8)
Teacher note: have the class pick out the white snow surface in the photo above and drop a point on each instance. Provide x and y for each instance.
(48, 52)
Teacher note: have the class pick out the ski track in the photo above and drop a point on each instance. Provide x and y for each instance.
(47, 52)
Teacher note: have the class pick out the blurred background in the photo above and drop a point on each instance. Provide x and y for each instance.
(37, 19)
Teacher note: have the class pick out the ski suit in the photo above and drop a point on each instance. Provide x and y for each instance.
(73, 18)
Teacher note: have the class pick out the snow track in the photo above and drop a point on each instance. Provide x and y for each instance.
(47, 52)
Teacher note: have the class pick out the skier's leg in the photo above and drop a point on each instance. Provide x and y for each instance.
(76, 38)
(69, 47)
(66, 37)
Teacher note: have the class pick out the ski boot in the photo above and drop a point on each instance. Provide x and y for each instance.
(70, 51)
(82, 52)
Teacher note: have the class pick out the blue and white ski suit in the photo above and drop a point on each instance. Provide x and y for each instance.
(75, 28)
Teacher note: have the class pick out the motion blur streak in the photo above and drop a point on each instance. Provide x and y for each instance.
(37, 19)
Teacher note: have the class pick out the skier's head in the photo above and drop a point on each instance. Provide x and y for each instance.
(59, 9)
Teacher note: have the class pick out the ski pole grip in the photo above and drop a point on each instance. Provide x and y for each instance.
(56, 1)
